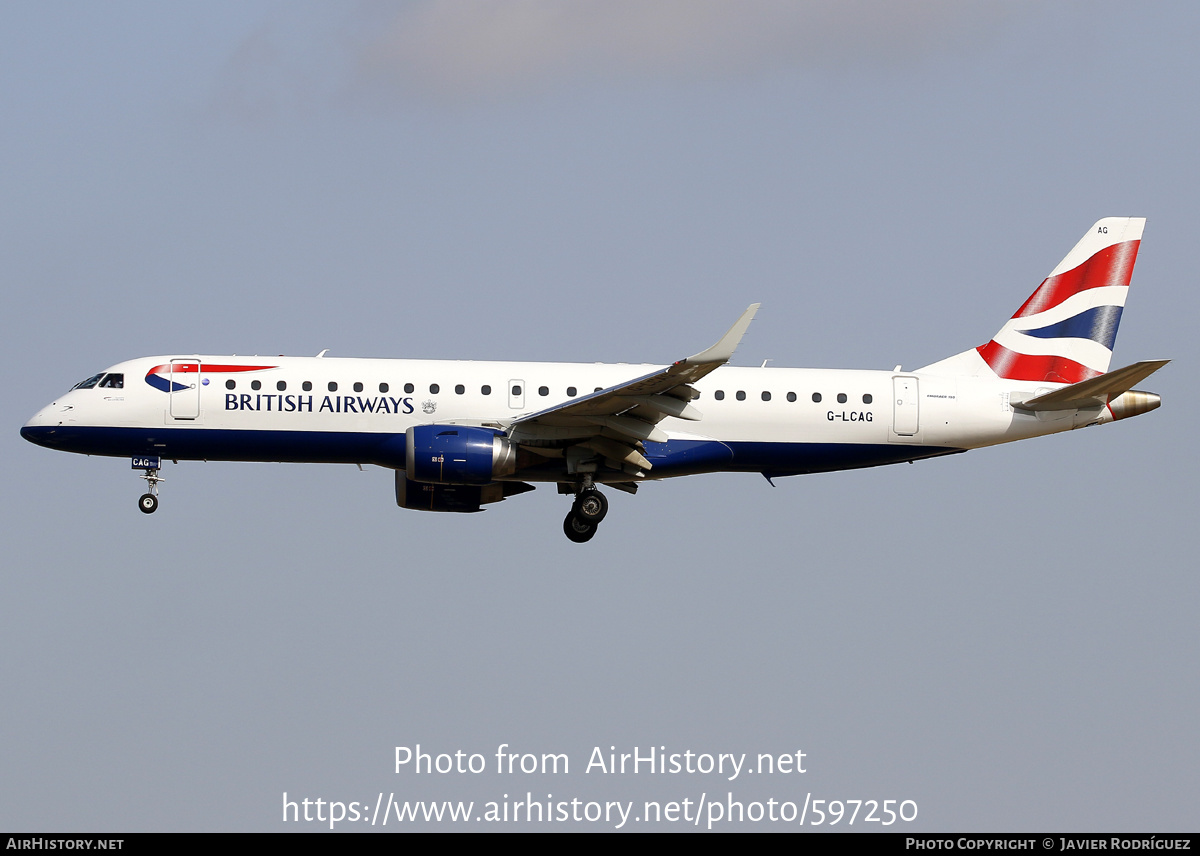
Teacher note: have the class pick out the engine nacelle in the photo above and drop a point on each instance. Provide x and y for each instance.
(458, 455)
(452, 497)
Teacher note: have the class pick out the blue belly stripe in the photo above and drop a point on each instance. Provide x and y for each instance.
(673, 458)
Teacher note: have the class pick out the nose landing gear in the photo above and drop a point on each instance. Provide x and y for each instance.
(148, 502)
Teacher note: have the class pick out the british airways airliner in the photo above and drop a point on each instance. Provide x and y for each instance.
(461, 435)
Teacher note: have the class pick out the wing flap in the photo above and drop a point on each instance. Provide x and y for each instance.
(617, 452)
(668, 405)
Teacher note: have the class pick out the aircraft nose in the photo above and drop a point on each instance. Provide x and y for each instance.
(40, 429)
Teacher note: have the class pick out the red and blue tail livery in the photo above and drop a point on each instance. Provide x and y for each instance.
(1064, 332)
(461, 435)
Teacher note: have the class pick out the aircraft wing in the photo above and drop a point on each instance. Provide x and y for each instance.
(614, 422)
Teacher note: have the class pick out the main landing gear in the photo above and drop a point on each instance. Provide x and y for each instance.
(585, 515)
(148, 502)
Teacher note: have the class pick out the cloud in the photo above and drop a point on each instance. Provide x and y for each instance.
(467, 46)
(450, 49)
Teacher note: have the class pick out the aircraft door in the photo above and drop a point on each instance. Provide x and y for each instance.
(905, 406)
(185, 389)
(516, 394)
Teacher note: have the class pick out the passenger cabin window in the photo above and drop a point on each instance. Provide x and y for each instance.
(841, 398)
(89, 383)
(383, 387)
(766, 396)
(434, 388)
(719, 395)
(408, 387)
(281, 385)
(543, 390)
(791, 396)
(333, 386)
(572, 392)
(867, 399)
(306, 386)
(358, 387)
(516, 390)
(741, 395)
(256, 384)
(816, 398)
(459, 389)
(485, 389)
(231, 384)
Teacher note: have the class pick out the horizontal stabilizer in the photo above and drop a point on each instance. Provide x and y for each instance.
(1090, 393)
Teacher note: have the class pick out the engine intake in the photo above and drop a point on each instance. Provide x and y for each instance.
(454, 454)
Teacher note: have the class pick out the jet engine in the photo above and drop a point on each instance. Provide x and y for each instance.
(457, 455)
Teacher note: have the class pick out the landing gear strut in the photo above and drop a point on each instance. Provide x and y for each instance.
(148, 502)
(587, 511)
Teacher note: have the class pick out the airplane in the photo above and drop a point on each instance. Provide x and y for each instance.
(460, 435)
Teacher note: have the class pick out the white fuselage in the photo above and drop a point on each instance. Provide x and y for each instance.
(775, 420)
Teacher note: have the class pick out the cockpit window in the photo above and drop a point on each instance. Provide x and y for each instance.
(113, 380)
(89, 383)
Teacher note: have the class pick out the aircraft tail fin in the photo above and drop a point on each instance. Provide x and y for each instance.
(1064, 332)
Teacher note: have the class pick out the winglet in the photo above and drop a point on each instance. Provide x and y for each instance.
(723, 350)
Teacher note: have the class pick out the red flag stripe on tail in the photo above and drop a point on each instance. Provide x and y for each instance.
(1042, 368)
(1111, 266)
